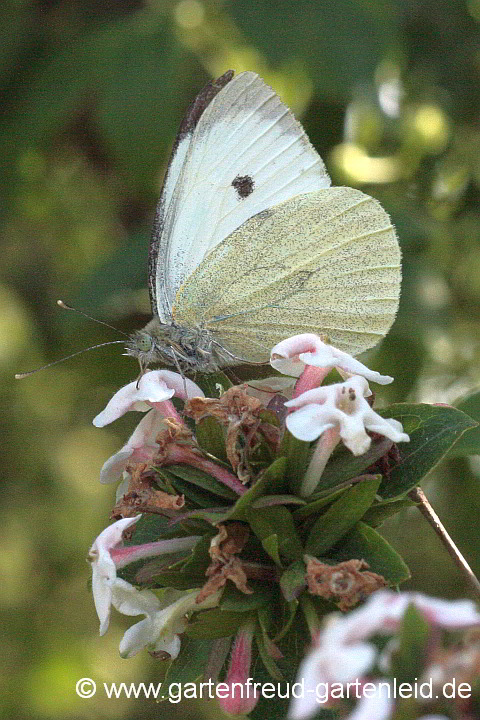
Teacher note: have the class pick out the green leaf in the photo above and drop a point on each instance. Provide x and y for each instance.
(407, 663)
(341, 516)
(201, 479)
(190, 664)
(378, 513)
(292, 581)
(216, 623)
(365, 543)
(270, 545)
(210, 435)
(277, 521)
(433, 430)
(235, 599)
(297, 454)
(271, 478)
(271, 666)
(469, 442)
(343, 466)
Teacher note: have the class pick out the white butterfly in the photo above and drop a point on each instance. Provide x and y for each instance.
(250, 243)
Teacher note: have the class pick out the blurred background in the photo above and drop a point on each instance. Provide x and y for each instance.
(92, 95)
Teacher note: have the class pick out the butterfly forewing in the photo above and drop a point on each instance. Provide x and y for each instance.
(326, 262)
(156, 284)
(246, 154)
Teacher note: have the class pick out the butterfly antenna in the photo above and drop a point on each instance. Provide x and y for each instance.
(20, 376)
(64, 306)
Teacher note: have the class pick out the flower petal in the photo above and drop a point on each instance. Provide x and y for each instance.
(307, 423)
(154, 386)
(341, 405)
(136, 638)
(112, 469)
(141, 447)
(104, 571)
(379, 705)
(291, 355)
(130, 601)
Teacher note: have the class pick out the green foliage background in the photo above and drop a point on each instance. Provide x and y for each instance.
(92, 93)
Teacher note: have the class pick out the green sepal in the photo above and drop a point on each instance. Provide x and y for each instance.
(186, 476)
(263, 641)
(378, 513)
(312, 508)
(271, 546)
(272, 500)
(271, 478)
(291, 608)
(343, 466)
(213, 384)
(192, 572)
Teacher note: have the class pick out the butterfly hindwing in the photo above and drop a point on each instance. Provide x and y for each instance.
(326, 262)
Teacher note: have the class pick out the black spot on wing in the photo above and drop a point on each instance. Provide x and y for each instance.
(244, 185)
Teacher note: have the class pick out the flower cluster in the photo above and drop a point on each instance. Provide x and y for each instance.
(236, 513)
(344, 652)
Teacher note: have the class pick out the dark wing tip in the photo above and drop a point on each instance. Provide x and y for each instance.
(202, 101)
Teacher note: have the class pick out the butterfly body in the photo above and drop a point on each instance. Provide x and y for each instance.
(188, 349)
(251, 244)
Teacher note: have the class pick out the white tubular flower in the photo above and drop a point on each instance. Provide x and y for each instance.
(291, 355)
(341, 652)
(333, 659)
(341, 406)
(379, 705)
(104, 571)
(108, 553)
(152, 390)
(160, 629)
(384, 610)
(141, 447)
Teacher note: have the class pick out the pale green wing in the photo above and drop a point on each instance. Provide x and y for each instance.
(326, 262)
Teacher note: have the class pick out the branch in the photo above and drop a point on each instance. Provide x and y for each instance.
(419, 497)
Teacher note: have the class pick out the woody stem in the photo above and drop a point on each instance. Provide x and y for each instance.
(421, 500)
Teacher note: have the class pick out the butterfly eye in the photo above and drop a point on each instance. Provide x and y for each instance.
(144, 342)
